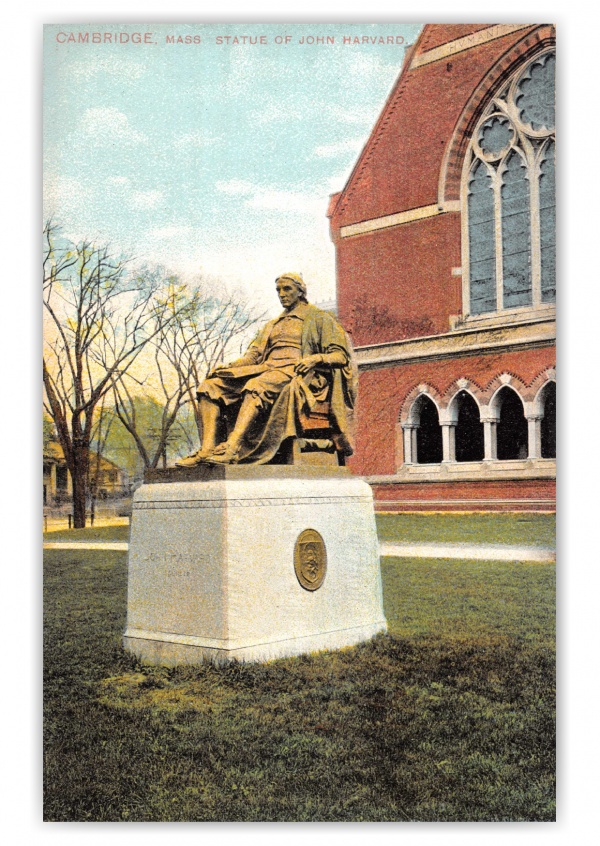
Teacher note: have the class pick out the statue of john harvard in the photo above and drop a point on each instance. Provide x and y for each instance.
(299, 359)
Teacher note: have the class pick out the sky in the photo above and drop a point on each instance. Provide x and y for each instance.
(214, 158)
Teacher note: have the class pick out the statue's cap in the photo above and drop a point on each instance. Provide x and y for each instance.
(296, 278)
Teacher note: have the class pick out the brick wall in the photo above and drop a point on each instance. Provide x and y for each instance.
(382, 393)
(530, 495)
(398, 283)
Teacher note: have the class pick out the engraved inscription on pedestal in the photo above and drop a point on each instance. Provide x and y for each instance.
(310, 559)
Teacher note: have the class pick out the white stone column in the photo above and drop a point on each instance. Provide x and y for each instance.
(490, 452)
(534, 440)
(409, 432)
(448, 442)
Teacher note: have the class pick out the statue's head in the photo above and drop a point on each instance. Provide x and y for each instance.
(297, 280)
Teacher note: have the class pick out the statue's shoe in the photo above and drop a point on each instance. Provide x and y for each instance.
(196, 458)
(226, 455)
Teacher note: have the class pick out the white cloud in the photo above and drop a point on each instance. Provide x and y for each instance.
(55, 188)
(118, 180)
(273, 199)
(122, 188)
(171, 232)
(251, 257)
(235, 186)
(370, 66)
(178, 246)
(330, 151)
(336, 183)
(67, 199)
(353, 115)
(108, 126)
(286, 201)
(272, 112)
(146, 199)
(254, 264)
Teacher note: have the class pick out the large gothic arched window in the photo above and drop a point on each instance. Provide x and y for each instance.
(509, 195)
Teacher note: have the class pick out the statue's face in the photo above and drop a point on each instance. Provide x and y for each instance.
(288, 293)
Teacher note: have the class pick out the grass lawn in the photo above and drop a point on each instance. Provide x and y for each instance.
(98, 533)
(448, 717)
(517, 529)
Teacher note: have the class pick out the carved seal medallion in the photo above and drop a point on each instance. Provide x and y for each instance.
(310, 559)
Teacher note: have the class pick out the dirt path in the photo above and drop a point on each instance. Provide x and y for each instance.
(479, 552)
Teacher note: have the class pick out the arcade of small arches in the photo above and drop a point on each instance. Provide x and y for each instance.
(507, 424)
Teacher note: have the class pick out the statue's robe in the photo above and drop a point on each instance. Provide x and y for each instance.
(287, 394)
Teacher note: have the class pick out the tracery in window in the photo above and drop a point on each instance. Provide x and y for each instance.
(509, 195)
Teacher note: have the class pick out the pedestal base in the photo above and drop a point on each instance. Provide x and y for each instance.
(251, 563)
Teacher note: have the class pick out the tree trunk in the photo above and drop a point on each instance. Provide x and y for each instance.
(79, 475)
(79, 490)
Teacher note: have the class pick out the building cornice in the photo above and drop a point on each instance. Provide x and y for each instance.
(471, 471)
(459, 45)
(526, 334)
(398, 219)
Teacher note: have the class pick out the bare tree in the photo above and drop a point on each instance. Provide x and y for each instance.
(100, 317)
(212, 330)
(190, 336)
(104, 419)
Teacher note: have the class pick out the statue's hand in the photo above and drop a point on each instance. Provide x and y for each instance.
(215, 369)
(307, 364)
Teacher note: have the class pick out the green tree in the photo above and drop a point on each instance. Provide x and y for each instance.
(48, 431)
(147, 412)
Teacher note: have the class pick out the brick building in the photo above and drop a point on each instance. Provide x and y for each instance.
(445, 250)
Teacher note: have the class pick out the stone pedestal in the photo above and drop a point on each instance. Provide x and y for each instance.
(251, 563)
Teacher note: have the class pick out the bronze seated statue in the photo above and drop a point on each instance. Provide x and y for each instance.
(289, 398)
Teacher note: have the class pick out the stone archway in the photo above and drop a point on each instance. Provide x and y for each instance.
(511, 429)
(548, 421)
(428, 431)
(468, 436)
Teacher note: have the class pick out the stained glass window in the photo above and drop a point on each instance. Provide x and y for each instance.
(548, 225)
(510, 195)
(482, 262)
(516, 241)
